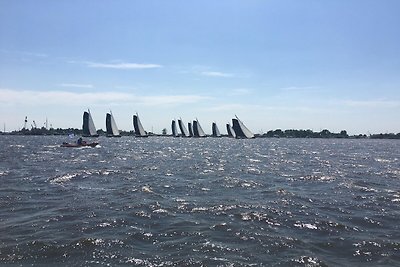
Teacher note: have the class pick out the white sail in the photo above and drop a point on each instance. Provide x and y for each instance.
(111, 126)
(182, 127)
(190, 127)
(92, 128)
(231, 132)
(197, 130)
(240, 129)
(139, 130)
(215, 130)
(174, 130)
(88, 125)
(114, 126)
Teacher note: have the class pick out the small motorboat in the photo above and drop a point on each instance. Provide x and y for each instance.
(65, 144)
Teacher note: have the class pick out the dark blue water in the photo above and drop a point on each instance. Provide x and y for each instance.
(162, 201)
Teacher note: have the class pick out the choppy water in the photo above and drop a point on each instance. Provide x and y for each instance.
(200, 202)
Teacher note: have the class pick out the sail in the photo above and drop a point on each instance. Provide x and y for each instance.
(111, 126)
(215, 130)
(197, 130)
(190, 127)
(182, 128)
(240, 129)
(174, 130)
(137, 125)
(89, 130)
(231, 132)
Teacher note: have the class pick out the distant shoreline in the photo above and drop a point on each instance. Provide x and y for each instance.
(278, 133)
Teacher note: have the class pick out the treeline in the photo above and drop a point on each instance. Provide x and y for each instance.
(60, 131)
(385, 136)
(324, 134)
(305, 134)
(278, 133)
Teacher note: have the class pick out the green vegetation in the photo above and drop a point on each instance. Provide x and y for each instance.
(305, 134)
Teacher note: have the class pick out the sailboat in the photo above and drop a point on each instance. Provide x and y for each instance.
(240, 129)
(197, 130)
(111, 126)
(137, 125)
(215, 130)
(231, 132)
(89, 130)
(190, 127)
(184, 132)
(174, 130)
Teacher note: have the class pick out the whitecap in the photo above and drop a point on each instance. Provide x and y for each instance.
(63, 178)
(160, 211)
(306, 225)
(253, 170)
(147, 189)
(199, 209)
(105, 224)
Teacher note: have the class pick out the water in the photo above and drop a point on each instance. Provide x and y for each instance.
(200, 202)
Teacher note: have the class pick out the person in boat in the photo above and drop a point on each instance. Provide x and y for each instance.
(80, 141)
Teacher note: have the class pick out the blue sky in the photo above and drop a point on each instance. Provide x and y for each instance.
(284, 64)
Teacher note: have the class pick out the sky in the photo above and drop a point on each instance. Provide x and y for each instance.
(276, 64)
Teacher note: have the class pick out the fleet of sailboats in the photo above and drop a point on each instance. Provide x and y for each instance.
(237, 130)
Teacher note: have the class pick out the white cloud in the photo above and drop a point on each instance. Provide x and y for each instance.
(216, 74)
(372, 103)
(77, 85)
(170, 99)
(122, 65)
(65, 98)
